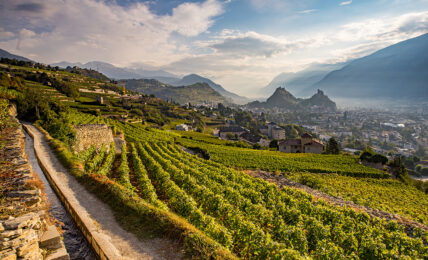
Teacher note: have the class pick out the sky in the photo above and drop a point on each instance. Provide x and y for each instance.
(240, 44)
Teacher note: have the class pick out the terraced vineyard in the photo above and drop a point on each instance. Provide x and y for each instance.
(387, 195)
(248, 216)
(243, 158)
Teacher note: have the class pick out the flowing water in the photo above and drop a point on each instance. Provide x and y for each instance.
(74, 241)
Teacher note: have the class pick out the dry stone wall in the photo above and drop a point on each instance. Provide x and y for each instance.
(24, 219)
(91, 135)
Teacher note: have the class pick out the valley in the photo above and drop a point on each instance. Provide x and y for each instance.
(214, 206)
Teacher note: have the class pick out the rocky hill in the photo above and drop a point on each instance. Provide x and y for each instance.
(283, 99)
(197, 93)
(194, 78)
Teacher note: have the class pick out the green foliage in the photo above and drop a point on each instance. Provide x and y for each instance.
(59, 126)
(123, 169)
(148, 192)
(107, 165)
(251, 217)
(286, 162)
(398, 169)
(272, 220)
(4, 113)
(383, 194)
(92, 164)
(140, 217)
(273, 144)
(369, 155)
(332, 147)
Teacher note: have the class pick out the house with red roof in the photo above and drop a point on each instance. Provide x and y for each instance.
(306, 144)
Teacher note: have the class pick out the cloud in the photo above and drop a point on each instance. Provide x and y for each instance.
(5, 34)
(250, 45)
(346, 3)
(82, 30)
(308, 11)
(30, 7)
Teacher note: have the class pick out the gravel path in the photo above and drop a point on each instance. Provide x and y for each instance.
(121, 244)
(282, 181)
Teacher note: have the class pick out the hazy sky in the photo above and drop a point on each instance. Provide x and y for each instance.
(241, 44)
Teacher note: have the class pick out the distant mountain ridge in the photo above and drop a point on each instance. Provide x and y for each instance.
(399, 71)
(194, 78)
(8, 55)
(114, 72)
(299, 82)
(283, 99)
(197, 93)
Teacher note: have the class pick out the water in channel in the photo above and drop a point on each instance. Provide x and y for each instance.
(75, 243)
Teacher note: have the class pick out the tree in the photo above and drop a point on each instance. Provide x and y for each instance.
(332, 147)
(398, 169)
(274, 144)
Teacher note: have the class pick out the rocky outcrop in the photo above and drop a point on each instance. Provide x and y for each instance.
(91, 135)
(24, 218)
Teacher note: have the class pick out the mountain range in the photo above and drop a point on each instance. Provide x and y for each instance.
(8, 55)
(197, 93)
(300, 82)
(284, 100)
(114, 72)
(397, 72)
(193, 79)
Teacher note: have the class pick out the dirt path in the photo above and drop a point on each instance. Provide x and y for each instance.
(282, 181)
(123, 245)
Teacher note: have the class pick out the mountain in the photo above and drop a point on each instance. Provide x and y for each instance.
(8, 55)
(319, 100)
(198, 93)
(114, 72)
(284, 100)
(194, 78)
(88, 73)
(399, 71)
(299, 82)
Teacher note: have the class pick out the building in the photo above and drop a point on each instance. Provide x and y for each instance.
(183, 127)
(306, 144)
(254, 139)
(274, 131)
(278, 133)
(264, 130)
(231, 131)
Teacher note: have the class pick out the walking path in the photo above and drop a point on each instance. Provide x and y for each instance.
(100, 218)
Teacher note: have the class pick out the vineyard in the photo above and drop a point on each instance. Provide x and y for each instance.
(387, 195)
(248, 216)
(244, 158)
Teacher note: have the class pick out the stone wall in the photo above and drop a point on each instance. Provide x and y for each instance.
(24, 219)
(89, 135)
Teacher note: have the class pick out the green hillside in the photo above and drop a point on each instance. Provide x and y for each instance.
(199, 93)
(212, 207)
